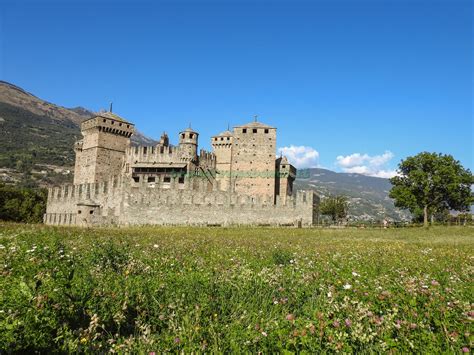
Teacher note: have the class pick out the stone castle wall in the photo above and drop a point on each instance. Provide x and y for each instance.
(117, 202)
(253, 160)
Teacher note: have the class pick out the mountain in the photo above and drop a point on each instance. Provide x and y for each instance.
(368, 196)
(38, 136)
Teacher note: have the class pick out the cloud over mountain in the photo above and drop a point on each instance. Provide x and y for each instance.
(375, 165)
(301, 156)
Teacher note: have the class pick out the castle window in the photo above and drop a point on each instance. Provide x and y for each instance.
(222, 138)
(128, 126)
(167, 179)
(181, 180)
(91, 212)
(144, 150)
(136, 178)
(112, 122)
(151, 179)
(182, 136)
(283, 166)
(79, 212)
(105, 120)
(244, 130)
(254, 130)
(266, 130)
(120, 124)
(228, 138)
(191, 135)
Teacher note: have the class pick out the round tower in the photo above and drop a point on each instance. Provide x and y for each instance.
(188, 143)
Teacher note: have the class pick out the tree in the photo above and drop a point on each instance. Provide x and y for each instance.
(334, 207)
(430, 183)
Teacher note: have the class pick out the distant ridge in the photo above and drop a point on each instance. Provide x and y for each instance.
(39, 135)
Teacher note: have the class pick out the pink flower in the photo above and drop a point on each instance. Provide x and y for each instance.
(335, 324)
(348, 322)
(177, 340)
(413, 326)
(435, 283)
(290, 317)
(465, 349)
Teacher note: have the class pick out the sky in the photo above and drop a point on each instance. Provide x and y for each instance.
(352, 86)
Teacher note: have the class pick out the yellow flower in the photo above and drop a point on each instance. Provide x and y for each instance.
(83, 340)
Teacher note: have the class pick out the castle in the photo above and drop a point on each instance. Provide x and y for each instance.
(240, 183)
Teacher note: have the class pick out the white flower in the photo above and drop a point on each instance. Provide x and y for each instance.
(2, 246)
(347, 287)
(355, 274)
(155, 246)
(264, 334)
(329, 294)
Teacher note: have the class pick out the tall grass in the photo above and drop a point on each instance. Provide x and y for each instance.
(247, 289)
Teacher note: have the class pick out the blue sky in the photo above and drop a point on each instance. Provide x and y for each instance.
(351, 85)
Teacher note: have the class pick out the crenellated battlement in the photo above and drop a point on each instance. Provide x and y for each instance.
(86, 191)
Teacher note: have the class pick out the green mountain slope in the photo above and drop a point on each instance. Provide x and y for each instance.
(38, 138)
(368, 196)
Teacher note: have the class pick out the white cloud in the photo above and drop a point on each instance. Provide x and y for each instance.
(301, 156)
(365, 164)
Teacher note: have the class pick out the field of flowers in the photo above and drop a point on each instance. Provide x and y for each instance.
(250, 289)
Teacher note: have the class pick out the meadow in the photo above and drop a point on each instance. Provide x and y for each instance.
(170, 289)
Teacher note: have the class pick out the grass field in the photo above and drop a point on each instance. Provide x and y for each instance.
(220, 290)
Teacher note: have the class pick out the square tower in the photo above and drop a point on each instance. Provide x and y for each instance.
(100, 153)
(253, 159)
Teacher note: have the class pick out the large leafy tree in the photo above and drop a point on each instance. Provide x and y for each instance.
(430, 183)
(335, 207)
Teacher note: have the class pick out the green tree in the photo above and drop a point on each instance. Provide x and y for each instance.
(22, 204)
(430, 183)
(335, 207)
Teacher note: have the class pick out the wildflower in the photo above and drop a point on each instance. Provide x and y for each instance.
(155, 245)
(347, 287)
(348, 322)
(465, 349)
(177, 340)
(290, 317)
(329, 294)
(2, 246)
(336, 324)
(264, 334)
(355, 274)
(413, 326)
(435, 283)
(398, 324)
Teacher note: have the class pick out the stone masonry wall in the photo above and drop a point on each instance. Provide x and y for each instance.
(116, 202)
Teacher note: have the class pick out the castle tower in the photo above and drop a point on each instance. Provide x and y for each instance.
(101, 151)
(222, 148)
(253, 159)
(164, 140)
(284, 178)
(188, 143)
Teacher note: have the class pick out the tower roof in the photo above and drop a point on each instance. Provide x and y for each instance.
(112, 116)
(255, 124)
(226, 133)
(189, 129)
